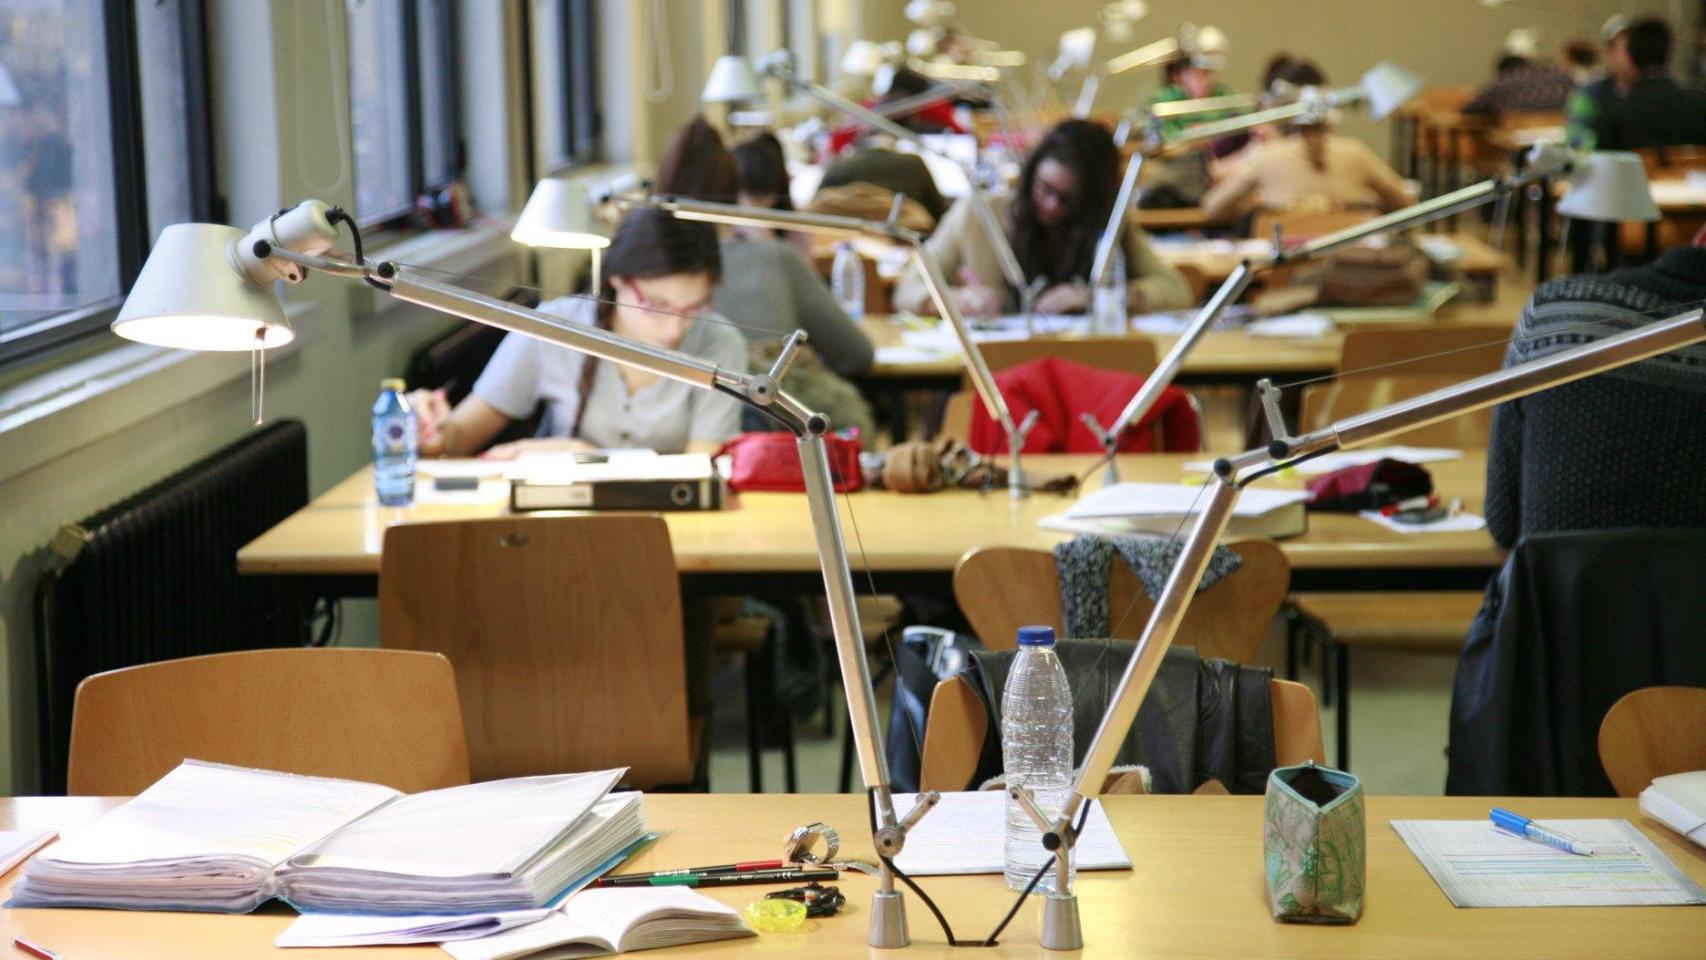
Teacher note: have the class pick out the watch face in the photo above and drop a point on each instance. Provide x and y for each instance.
(803, 844)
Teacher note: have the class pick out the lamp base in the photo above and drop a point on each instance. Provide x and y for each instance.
(888, 921)
(1060, 923)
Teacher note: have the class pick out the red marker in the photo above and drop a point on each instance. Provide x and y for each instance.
(34, 949)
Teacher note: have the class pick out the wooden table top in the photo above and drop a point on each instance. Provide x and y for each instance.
(1197, 891)
(1220, 353)
(342, 530)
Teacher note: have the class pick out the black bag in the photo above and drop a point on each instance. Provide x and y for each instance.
(924, 657)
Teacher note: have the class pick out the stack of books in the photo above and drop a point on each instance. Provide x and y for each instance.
(219, 838)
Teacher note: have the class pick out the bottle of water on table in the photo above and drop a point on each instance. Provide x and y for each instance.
(394, 442)
(1108, 299)
(847, 279)
(1036, 751)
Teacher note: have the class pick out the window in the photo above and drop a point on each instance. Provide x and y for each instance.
(103, 143)
(403, 109)
(565, 82)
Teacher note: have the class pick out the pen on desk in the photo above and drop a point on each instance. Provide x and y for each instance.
(735, 879)
(34, 949)
(1523, 827)
(1414, 503)
(745, 866)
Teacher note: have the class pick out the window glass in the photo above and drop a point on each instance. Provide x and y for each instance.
(379, 110)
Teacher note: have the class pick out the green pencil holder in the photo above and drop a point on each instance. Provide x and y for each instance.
(1316, 844)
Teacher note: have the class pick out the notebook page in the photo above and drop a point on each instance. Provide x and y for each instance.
(496, 827)
(209, 810)
(1173, 499)
(360, 930)
(967, 833)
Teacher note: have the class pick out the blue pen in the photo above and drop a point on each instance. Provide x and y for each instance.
(1528, 829)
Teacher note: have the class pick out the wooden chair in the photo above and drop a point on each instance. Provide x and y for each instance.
(383, 716)
(1303, 224)
(1653, 732)
(1324, 403)
(1462, 351)
(953, 739)
(1001, 589)
(1196, 280)
(566, 634)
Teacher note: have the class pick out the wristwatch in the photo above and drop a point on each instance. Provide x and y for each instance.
(802, 845)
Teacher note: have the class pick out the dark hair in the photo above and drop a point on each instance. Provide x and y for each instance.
(1274, 70)
(1172, 68)
(648, 243)
(1508, 63)
(1581, 53)
(1301, 72)
(1648, 43)
(763, 168)
(697, 166)
(1087, 149)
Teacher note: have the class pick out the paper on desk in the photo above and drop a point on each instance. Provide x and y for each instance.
(1460, 523)
(459, 467)
(1477, 865)
(966, 833)
(1353, 458)
(941, 338)
(17, 845)
(489, 491)
(362, 930)
(1296, 325)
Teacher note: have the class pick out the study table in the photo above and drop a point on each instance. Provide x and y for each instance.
(908, 541)
(1197, 890)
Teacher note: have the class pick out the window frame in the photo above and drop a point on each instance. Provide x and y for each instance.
(129, 171)
(414, 82)
(581, 120)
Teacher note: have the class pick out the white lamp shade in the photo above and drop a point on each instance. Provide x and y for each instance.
(862, 59)
(732, 80)
(191, 296)
(923, 42)
(1212, 39)
(558, 214)
(1610, 186)
(1387, 86)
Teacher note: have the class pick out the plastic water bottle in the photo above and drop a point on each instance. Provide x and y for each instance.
(393, 446)
(1108, 300)
(847, 279)
(1036, 751)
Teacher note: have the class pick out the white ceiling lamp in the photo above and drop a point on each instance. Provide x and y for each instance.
(732, 80)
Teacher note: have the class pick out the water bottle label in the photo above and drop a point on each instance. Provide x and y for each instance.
(395, 437)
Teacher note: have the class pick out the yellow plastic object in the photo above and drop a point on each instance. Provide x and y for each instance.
(776, 916)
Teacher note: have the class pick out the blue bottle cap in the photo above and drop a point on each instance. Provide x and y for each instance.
(1042, 636)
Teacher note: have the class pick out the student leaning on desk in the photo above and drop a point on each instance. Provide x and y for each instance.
(658, 277)
(1054, 220)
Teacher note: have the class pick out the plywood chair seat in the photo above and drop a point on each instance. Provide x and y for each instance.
(383, 716)
(1324, 403)
(1001, 589)
(566, 634)
(959, 724)
(1460, 350)
(1653, 732)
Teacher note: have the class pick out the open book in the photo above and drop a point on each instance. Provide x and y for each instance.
(214, 837)
(1165, 509)
(1679, 802)
(610, 920)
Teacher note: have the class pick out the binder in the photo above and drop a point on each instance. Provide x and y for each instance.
(687, 481)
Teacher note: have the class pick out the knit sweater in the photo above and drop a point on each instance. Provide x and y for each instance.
(1624, 448)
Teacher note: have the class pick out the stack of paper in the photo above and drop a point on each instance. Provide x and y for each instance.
(1166, 508)
(1679, 802)
(966, 833)
(212, 837)
(500, 845)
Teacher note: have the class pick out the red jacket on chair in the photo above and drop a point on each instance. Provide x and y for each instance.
(1063, 390)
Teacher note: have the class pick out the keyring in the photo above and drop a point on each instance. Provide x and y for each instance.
(801, 845)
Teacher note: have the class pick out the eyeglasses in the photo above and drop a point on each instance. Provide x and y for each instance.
(1043, 190)
(691, 311)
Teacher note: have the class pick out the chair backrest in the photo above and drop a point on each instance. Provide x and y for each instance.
(1135, 355)
(1304, 223)
(1323, 403)
(383, 716)
(954, 736)
(1652, 732)
(566, 635)
(1463, 350)
(1001, 589)
(1195, 279)
(956, 414)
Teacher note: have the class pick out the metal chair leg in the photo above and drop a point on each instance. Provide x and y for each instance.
(1343, 658)
(754, 746)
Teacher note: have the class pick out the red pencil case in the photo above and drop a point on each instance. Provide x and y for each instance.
(770, 462)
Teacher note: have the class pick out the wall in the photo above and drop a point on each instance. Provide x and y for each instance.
(282, 116)
(1449, 42)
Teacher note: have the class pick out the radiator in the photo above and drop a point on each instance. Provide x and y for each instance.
(154, 577)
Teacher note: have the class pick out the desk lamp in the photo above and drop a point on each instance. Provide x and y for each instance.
(887, 231)
(559, 214)
(781, 66)
(1604, 186)
(210, 287)
(1060, 919)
